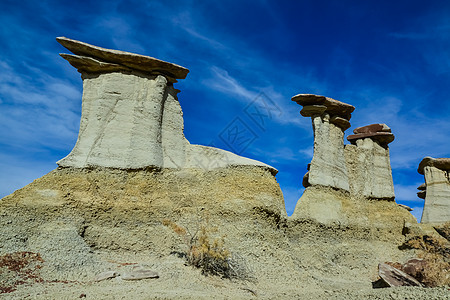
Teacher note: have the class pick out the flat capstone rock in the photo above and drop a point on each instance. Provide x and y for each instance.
(344, 124)
(134, 61)
(439, 163)
(372, 128)
(313, 110)
(334, 107)
(383, 138)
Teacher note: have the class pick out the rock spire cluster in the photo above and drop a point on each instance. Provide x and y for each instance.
(435, 190)
(362, 168)
(131, 117)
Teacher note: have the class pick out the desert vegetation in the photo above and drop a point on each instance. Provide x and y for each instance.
(208, 253)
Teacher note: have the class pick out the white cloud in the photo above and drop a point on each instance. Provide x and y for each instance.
(221, 81)
(38, 114)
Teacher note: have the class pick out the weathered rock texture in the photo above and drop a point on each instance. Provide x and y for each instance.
(84, 222)
(330, 118)
(437, 189)
(103, 213)
(368, 162)
(341, 179)
(131, 117)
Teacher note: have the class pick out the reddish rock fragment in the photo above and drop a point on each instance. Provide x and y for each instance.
(415, 267)
(393, 277)
(380, 133)
(372, 129)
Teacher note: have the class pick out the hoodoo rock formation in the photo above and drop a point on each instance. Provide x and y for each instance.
(330, 118)
(135, 202)
(131, 169)
(360, 171)
(369, 163)
(131, 117)
(436, 190)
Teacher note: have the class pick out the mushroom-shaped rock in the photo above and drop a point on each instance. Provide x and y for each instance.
(380, 133)
(372, 128)
(131, 117)
(439, 163)
(437, 193)
(333, 107)
(330, 119)
(369, 162)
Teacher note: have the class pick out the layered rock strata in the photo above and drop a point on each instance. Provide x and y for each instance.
(131, 117)
(368, 162)
(340, 179)
(436, 190)
(330, 118)
(130, 170)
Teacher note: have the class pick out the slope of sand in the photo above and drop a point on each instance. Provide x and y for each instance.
(84, 222)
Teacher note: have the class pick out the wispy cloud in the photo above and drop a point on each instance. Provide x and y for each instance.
(222, 82)
(40, 114)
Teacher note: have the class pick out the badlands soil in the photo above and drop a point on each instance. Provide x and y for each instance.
(84, 222)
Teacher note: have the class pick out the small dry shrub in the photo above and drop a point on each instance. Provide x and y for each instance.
(437, 272)
(19, 268)
(207, 253)
(436, 255)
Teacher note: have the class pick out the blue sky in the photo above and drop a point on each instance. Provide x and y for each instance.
(390, 59)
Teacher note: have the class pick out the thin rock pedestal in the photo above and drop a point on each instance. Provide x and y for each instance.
(330, 118)
(368, 162)
(437, 189)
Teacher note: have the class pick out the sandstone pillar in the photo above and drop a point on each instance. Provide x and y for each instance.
(330, 118)
(437, 189)
(124, 99)
(131, 117)
(368, 162)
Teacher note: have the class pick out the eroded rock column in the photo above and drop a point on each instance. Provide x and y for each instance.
(368, 162)
(330, 118)
(131, 117)
(123, 104)
(437, 189)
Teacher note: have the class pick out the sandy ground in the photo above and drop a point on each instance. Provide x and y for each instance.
(83, 223)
